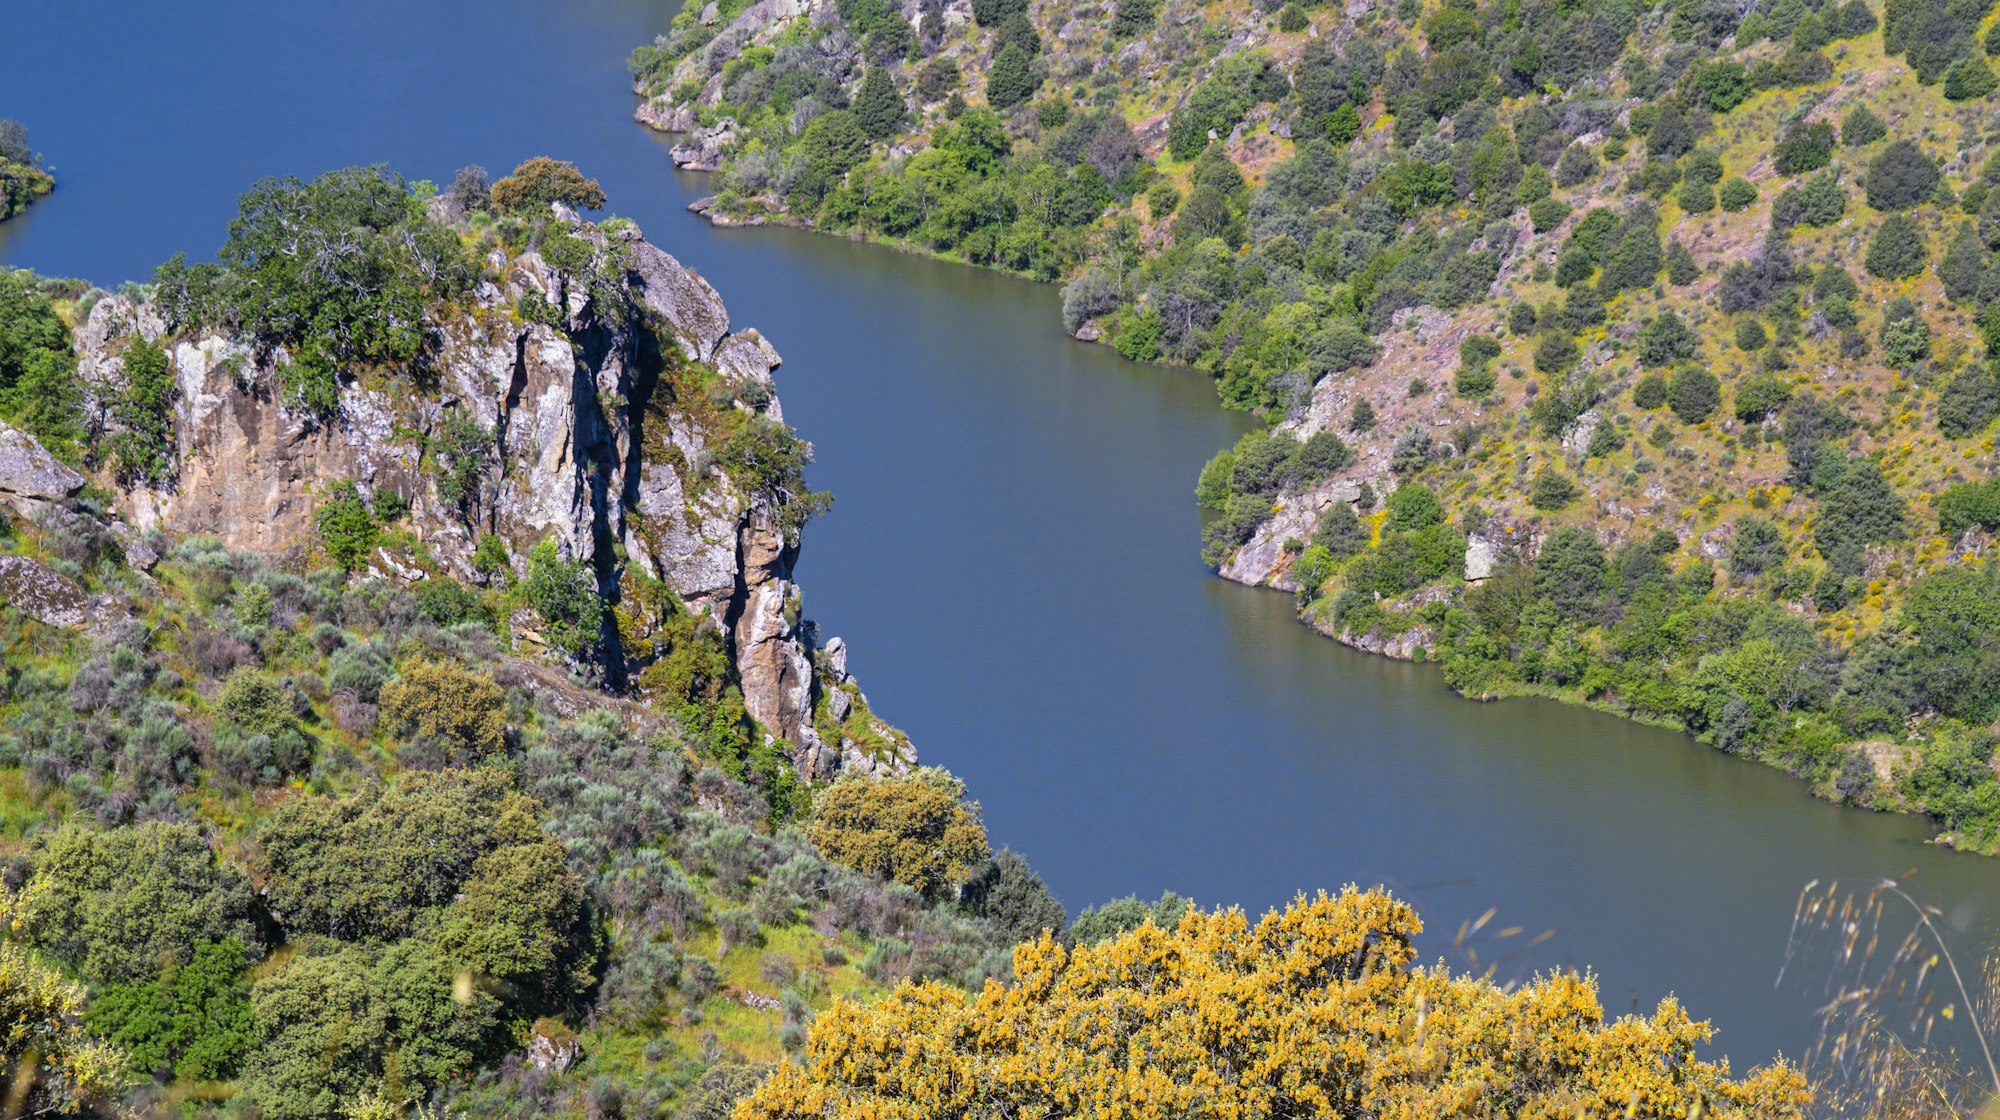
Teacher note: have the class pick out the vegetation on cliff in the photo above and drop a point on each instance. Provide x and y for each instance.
(1679, 313)
(23, 179)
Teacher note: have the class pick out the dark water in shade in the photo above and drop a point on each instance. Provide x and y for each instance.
(1013, 553)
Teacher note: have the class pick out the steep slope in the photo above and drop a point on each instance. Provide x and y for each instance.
(607, 424)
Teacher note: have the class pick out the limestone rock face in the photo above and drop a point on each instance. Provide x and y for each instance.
(604, 438)
(29, 474)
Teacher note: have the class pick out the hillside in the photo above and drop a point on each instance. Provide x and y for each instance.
(1635, 356)
(405, 709)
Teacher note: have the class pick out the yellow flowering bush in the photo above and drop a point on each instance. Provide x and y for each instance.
(1316, 1011)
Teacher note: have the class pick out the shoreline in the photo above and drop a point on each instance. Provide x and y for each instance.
(1402, 647)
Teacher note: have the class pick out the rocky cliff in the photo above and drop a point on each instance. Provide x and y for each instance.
(604, 395)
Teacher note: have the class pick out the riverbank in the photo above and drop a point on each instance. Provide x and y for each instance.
(20, 185)
(1534, 311)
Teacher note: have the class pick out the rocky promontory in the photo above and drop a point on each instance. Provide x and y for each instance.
(616, 414)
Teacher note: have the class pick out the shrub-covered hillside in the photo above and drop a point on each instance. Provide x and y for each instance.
(396, 817)
(1635, 354)
(304, 846)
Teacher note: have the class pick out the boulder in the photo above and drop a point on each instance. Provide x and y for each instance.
(46, 596)
(29, 474)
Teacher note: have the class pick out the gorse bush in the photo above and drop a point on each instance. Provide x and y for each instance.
(1310, 1009)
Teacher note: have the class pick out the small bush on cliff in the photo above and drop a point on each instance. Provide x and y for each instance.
(564, 594)
(143, 406)
(346, 528)
(769, 459)
(541, 181)
(914, 828)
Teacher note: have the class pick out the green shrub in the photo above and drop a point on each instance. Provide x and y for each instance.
(346, 527)
(564, 593)
(1736, 193)
(1694, 394)
(1650, 392)
(1896, 252)
(1412, 506)
(1901, 176)
(1552, 490)
(1547, 213)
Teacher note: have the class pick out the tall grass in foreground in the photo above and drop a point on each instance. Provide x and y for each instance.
(1886, 996)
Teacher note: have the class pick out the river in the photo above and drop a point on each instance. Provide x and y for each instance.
(1013, 552)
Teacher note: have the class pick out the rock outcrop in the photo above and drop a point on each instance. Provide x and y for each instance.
(604, 399)
(30, 476)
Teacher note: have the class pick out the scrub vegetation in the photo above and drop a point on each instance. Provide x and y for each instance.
(1681, 314)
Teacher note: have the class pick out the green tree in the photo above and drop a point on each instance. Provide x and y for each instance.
(564, 593)
(878, 107)
(116, 904)
(1896, 252)
(1906, 338)
(1862, 127)
(1857, 509)
(1008, 893)
(1010, 80)
(1760, 396)
(1340, 532)
(1969, 79)
(340, 1024)
(1756, 547)
(1570, 574)
(1694, 394)
(375, 865)
(1666, 340)
(442, 703)
(143, 451)
(1736, 193)
(345, 526)
(1963, 262)
(914, 828)
(192, 1022)
(1551, 490)
(1900, 176)
(1804, 146)
(1412, 506)
(1968, 402)
(38, 385)
(541, 182)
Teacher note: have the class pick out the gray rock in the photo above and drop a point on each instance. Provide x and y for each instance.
(1481, 555)
(46, 596)
(687, 302)
(29, 474)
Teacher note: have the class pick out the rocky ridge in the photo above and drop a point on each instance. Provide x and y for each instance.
(603, 441)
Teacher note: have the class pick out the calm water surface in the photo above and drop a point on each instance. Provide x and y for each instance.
(1013, 552)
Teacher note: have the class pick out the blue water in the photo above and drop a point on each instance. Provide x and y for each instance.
(1012, 555)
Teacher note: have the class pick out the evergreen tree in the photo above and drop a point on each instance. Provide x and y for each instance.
(1011, 80)
(1897, 250)
(1964, 261)
(1901, 176)
(878, 108)
(1694, 394)
(1969, 79)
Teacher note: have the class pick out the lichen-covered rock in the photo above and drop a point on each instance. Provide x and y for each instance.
(29, 474)
(680, 295)
(46, 596)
